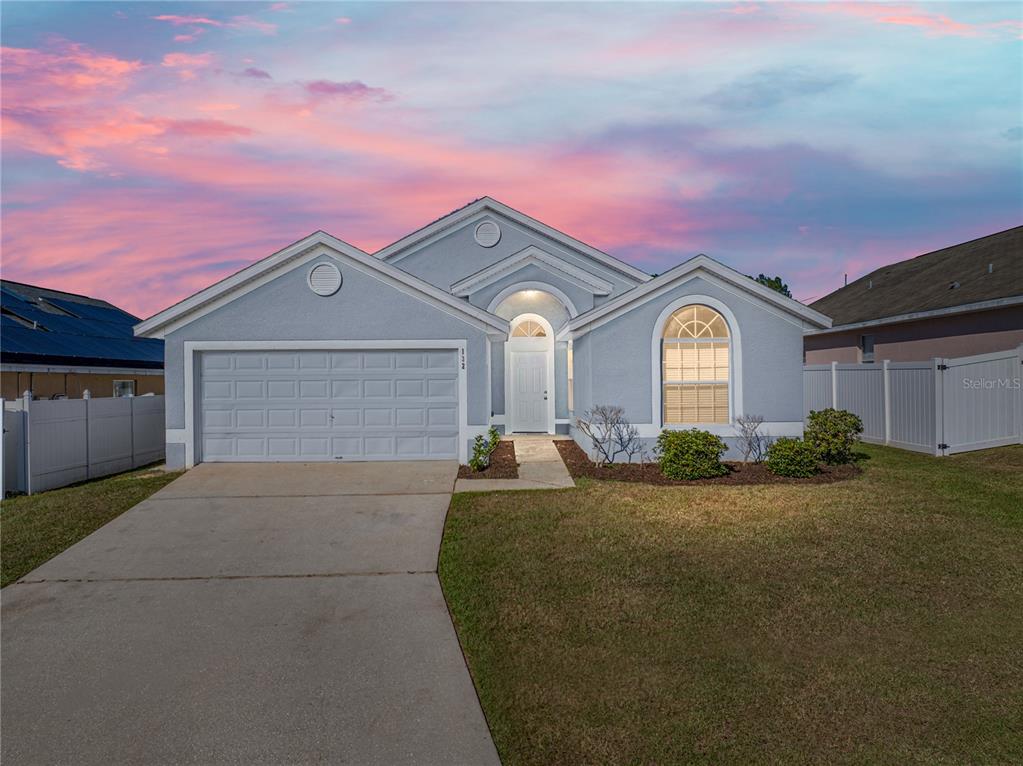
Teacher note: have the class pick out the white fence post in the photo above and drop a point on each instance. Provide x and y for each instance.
(938, 366)
(3, 430)
(834, 385)
(1019, 378)
(27, 425)
(887, 402)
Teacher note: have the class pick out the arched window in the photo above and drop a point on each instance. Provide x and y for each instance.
(529, 329)
(694, 367)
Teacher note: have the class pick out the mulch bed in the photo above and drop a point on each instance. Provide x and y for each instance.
(502, 465)
(580, 465)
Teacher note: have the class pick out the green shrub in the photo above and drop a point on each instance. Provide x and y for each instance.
(482, 449)
(691, 454)
(833, 433)
(792, 457)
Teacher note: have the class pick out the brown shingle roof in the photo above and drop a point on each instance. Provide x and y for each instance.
(924, 283)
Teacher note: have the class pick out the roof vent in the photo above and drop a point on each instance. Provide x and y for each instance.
(953, 286)
(325, 279)
(990, 268)
(488, 234)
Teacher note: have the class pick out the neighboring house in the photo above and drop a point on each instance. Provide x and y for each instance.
(966, 299)
(58, 344)
(484, 317)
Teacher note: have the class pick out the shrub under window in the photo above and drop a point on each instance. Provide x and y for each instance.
(792, 457)
(691, 454)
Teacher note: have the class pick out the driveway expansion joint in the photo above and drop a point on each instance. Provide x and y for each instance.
(229, 577)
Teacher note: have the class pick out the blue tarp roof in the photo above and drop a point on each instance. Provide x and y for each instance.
(48, 327)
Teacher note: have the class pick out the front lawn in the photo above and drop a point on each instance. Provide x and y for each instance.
(34, 529)
(874, 620)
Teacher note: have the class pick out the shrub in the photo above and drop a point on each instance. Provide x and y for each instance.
(833, 433)
(482, 449)
(792, 457)
(692, 454)
(610, 433)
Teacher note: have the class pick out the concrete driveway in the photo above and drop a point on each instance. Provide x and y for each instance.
(275, 613)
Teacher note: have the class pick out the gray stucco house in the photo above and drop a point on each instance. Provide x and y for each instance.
(484, 317)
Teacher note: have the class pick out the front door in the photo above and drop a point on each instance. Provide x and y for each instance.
(529, 391)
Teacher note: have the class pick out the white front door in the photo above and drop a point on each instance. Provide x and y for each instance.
(529, 391)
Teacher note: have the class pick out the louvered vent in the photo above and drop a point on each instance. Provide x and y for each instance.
(325, 279)
(488, 234)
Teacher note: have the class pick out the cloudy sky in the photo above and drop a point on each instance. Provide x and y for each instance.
(152, 148)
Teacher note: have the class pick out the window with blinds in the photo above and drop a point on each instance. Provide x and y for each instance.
(694, 367)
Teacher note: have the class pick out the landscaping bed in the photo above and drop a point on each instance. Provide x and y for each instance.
(503, 464)
(580, 466)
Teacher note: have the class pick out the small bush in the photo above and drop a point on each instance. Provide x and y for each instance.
(691, 454)
(833, 433)
(792, 457)
(610, 433)
(482, 449)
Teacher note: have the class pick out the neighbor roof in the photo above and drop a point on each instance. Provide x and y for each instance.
(975, 272)
(39, 325)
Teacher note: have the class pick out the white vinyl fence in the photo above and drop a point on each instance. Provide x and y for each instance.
(941, 406)
(53, 443)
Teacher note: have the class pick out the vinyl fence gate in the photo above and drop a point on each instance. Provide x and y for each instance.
(941, 406)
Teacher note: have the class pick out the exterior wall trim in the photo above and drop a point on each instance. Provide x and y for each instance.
(295, 256)
(700, 266)
(188, 434)
(531, 255)
(64, 370)
(734, 358)
(412, 242)
(533, 285)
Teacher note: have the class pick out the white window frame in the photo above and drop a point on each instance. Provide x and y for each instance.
(118, 396)
(734, 363)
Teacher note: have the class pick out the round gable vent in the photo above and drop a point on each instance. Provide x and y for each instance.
(488, 234)
(325, 279)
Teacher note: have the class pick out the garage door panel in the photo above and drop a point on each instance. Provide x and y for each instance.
(277, 405)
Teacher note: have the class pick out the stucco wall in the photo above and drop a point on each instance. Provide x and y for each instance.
(455, 255)
(364, 309)
(619, 357)
(581, 300)
(964, 335)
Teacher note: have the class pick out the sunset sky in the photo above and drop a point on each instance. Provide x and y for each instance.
(150, 149)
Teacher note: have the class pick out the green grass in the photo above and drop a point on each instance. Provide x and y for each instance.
(34, 529)
(878, 620)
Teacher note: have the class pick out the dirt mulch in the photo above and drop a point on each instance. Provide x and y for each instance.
(580, 465)
(502, 465)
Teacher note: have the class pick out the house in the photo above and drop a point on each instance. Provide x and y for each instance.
(484, 317)
(58, 344)
(963, 300)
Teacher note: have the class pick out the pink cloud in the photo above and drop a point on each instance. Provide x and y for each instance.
(180, 21)
(343, 20)
(353, 90)
(187, 64)
(235, 22)
(935, 24)
(71, 68)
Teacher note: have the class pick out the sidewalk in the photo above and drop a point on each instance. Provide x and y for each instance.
(540, 467)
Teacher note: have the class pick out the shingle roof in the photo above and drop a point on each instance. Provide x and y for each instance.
(925, 283)
(43, 326)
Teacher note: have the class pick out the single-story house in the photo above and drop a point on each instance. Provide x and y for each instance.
(58, 344)
(963, 300)
(484, 317)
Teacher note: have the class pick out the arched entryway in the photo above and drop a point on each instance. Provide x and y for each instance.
(534, 367)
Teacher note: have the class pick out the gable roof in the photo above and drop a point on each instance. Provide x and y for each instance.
(294, 255)
(532, 255)
(924, 283)
(39, 325)
(700, 265)
(406, 244)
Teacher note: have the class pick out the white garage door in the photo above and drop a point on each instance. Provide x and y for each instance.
(329, 405)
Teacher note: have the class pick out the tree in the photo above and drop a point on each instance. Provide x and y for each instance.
(774, 283)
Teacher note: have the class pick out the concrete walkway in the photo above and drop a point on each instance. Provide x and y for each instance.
(247, 614)
(540, 467)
